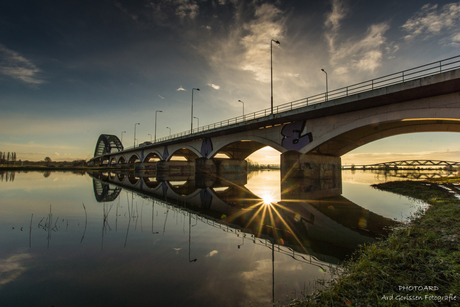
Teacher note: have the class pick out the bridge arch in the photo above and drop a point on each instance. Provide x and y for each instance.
(133, 158)
(236, 148)
(363, 130)
(189, 153)
(105, 144)
(152, 154)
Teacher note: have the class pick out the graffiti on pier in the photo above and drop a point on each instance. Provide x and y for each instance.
(206, 147)
(165, 153)
(293, 138)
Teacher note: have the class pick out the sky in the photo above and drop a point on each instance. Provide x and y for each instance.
(72, 70)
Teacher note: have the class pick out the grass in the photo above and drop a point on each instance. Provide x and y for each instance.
(421, 253)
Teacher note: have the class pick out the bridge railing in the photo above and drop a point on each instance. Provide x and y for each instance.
(392, 79)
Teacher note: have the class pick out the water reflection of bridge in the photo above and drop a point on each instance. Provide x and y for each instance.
(326, 229)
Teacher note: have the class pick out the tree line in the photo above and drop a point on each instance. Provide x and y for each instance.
(8, 158)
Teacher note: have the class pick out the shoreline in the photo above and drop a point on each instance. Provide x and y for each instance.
(60, 168)
(418, 264)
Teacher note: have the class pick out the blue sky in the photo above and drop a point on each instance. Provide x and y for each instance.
(72, 70)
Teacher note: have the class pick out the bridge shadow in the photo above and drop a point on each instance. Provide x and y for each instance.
(309, 221)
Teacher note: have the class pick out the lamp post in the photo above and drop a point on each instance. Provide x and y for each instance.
(198, 122)
(150, 137)
(243, 107)
(135, 133)
(191, 119)
(122, 136)
(326, 84)
(169, 130)
(155, 139)
(271, 70)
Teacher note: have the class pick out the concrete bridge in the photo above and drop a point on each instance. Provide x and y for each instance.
(311, 133)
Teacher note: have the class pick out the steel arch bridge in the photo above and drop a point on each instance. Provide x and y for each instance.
(106, 143)
(416, 163)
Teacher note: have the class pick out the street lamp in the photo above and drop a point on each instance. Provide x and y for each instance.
(326, 83)
(122, 136)
(169, 130)
(156, 125)
(271, 70)
(191, 119)
(150, 137)
(198, 121)
(243, 107)
(135, 133)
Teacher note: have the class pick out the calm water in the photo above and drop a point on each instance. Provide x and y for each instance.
(72, 240)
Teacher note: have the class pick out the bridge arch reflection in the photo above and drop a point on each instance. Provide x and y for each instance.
(323, 228)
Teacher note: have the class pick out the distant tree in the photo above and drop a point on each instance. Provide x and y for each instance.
(79, 163)
(8, 159)
(48, 161)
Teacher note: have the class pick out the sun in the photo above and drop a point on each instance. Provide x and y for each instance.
(267, 198)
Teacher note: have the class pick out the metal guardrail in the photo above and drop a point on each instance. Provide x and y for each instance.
(373, 84)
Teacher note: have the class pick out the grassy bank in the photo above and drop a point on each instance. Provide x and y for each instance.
(417, 265)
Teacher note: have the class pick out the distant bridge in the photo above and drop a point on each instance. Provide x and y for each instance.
(313, 133)
(414, 163)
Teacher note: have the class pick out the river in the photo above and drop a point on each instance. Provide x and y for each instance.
(78, 239)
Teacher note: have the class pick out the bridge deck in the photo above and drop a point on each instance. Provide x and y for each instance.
(438, 78)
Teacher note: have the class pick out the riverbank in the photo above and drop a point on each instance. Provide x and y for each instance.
(59, 168)
(417, 265)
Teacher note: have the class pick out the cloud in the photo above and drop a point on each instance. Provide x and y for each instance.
(361, 54)
(212, 253)
(430, 21)
(124, 10)
(12, 267)
(267, 25)
(13, 65)
(216, 87)
(332, 21)
(181, 88)
(186, 8)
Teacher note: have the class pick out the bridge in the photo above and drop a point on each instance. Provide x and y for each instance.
(311, 133)
(415, 163)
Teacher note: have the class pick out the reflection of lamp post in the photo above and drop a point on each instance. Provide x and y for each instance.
(191, 119)
(169, 130)
(239, 245)
(198, 121)
(135, 133)
(189, 235)
(122, 136)
(326, 83)
(273, 270)
(150, 137)
(156, 125)
(271, 70)
(243, 107)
